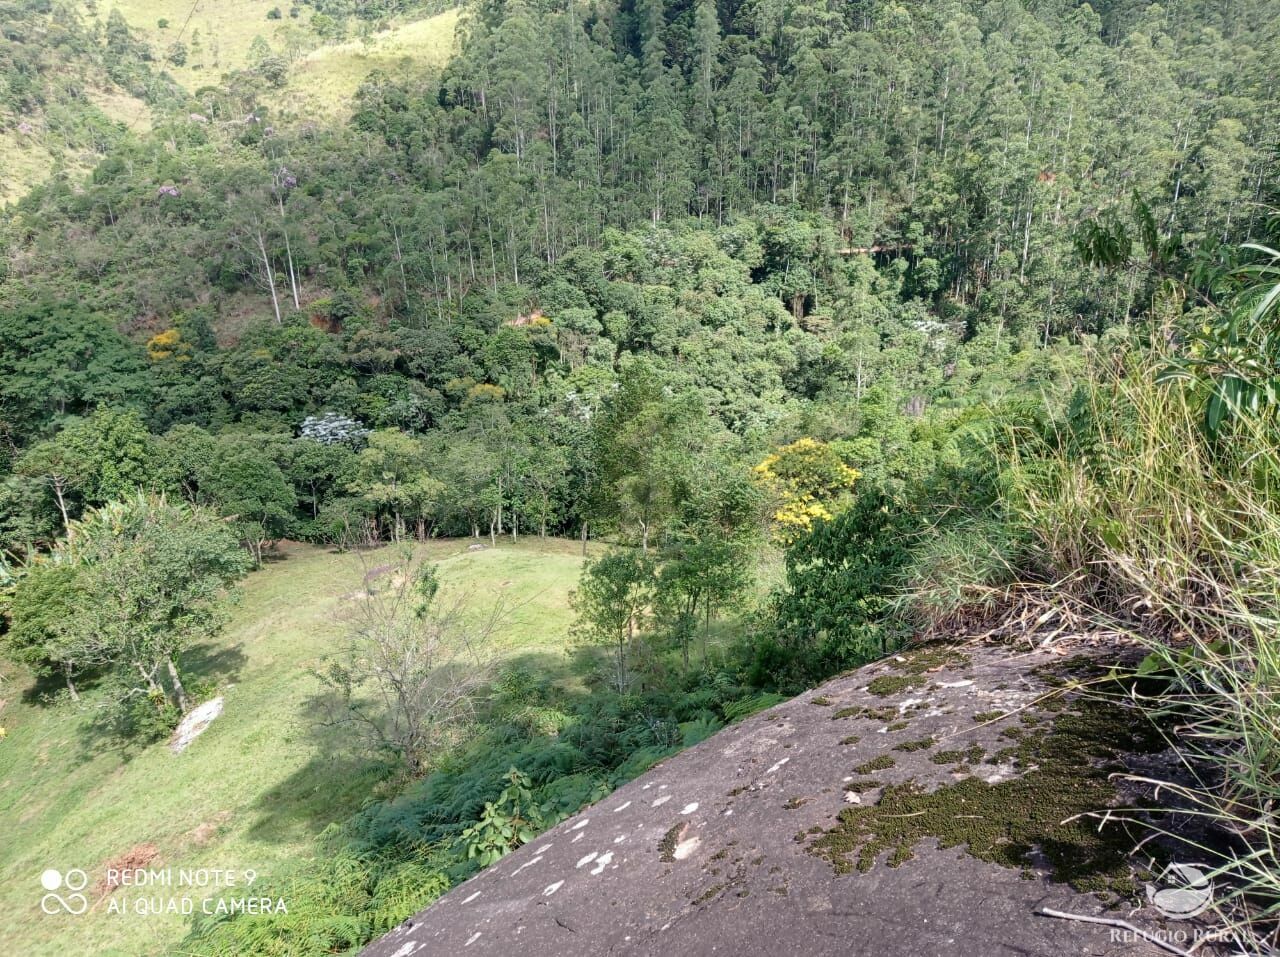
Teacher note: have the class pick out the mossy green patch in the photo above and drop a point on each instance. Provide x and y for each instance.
(667, 846)
(708, 894)
(861, 711)
(862, 785)
(1005, 822)
(851, 739)
(1066, 671)
(982, 717)
(932, 658)
(822, 701)
(887, 685)
(918, 745)
(970, 755)
(881, 763)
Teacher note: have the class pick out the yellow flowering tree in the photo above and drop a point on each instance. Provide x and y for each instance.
(808, 481)
(168, 345)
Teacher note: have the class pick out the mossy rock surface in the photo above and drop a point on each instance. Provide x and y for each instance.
(926, 813)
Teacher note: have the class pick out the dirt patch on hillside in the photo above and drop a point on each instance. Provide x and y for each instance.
(138, 857)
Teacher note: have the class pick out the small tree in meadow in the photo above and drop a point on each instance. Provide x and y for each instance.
(136, 583)
(405, 683)
(612, 603)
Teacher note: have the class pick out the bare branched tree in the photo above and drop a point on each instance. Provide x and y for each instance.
(415, 658)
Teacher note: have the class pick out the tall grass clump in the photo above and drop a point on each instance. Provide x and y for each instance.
(1133, 508)
(959, 576)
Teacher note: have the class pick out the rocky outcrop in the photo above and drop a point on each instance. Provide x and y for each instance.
(913, 807)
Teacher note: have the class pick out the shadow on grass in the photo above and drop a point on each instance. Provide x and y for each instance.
(549, 669)
(337, 781)
(50, 690)
(214, 664)
(121, 721)
(330, 787)
(342, 777)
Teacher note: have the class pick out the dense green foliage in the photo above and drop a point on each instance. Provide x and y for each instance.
(841, 222)
(135, 584)
(477, 258)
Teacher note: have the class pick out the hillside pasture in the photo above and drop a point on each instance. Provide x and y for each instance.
(258, 786)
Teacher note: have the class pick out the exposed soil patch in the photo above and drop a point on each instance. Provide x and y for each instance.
(137, 857)
(205, 832)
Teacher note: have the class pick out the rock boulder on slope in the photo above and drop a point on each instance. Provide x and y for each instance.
(912, 807)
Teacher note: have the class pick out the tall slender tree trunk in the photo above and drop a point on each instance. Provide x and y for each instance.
(184, 703)
(60, 498)
(288, 253)
(293, 278)
(268, 274)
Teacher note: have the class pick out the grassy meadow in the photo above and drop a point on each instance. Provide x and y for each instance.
(259, 785)
(323, 82)
(217, 36)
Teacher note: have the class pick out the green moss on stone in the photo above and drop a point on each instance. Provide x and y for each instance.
(970, 755)
(909, 746)
(932, 658)
(1004, 822)
(667, 846)
(882, 763)
(709, 893)
(860, 711)
(862, 785)
(887, 685)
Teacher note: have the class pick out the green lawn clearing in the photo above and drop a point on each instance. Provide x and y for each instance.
(256, 788)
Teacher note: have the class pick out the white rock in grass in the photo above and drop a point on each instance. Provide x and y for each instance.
(193, 725)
